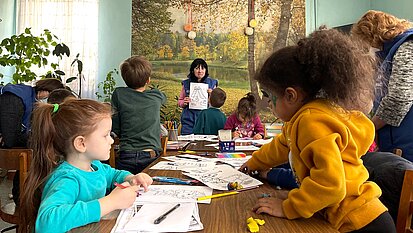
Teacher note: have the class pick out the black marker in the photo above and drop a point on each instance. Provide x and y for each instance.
(163, 216)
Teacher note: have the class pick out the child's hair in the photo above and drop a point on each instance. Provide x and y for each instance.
(54, 127)
(48, 84)
(136, 71)
(217, 97)
(59, 95)
(327, 64)
(376, 27)
(247, 106)
(197, 62)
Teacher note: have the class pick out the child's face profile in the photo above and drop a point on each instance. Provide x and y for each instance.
(98, 143)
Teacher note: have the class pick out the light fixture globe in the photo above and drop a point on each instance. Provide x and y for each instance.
(249, 31)
(191, 35)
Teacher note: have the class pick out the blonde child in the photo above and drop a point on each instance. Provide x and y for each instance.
(67, 184)
(245, 122)
(317, 88)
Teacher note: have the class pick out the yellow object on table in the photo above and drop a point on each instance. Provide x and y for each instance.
(216, 195)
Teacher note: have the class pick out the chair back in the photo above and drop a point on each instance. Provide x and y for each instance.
(164, 143)
(14, 159)
(113, 152)
(404, 216)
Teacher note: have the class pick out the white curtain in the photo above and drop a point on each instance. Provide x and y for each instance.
(75, 23)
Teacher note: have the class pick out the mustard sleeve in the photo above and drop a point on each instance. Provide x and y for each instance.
(270, 154)
(318, 165)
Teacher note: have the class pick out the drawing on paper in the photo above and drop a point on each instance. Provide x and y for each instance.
(219, 177)
(198, 92)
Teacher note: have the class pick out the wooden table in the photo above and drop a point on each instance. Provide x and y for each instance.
(228, 214)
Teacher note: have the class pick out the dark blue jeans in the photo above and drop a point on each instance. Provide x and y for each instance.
(282, 176)
(135, 162)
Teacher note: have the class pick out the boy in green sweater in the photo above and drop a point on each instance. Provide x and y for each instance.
(212, 119)
(136, 118)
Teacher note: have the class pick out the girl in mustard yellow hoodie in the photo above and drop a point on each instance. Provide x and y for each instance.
(320, 89)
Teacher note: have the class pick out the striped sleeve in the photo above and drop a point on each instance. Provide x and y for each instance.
(399, 99)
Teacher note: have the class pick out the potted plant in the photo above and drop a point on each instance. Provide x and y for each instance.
(107, 86)
(26, 50)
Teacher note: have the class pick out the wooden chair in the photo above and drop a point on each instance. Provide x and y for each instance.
(164, 143)
(398, 152)
(14, 159)
(404, 216)
(113, 152)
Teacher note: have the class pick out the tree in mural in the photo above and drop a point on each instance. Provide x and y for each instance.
(219, 25)
(150, 19)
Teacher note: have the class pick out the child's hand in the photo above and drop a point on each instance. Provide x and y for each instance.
(269, 205)
(123, 198)
(141, 179)
(187, 100)
(209, 90)
(257, 136)
(263, 174)
(245, 169)
(236, 134)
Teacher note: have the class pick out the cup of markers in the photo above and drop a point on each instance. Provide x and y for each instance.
(172, 127)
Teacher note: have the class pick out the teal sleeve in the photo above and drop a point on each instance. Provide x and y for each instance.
(60, 211)
(112, 175)
(116, 115)
(199, 124)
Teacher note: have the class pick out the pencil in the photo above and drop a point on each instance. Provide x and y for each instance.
(217, 195)
(119, 185)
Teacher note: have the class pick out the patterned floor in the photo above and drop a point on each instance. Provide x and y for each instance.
(5, 190)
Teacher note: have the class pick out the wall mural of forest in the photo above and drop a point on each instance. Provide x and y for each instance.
(160, 33)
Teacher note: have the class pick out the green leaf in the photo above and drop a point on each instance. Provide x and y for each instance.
(59, 72)
(69, 80)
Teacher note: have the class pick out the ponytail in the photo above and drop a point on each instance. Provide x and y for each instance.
(42, 164)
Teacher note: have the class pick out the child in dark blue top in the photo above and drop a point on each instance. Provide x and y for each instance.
(212, 119)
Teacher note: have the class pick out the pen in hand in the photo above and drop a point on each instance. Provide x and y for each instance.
(123, 187)
(163, 216)
(119, 185)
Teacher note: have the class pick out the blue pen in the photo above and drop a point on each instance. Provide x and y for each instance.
(173, 180)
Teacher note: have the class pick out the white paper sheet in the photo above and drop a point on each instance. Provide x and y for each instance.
(198, 92)
(221, 175)
(182, 165)
(174, 193)
(177, 221)
(196, 137)
(126, 217)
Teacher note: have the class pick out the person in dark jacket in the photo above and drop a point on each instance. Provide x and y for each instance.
(16, 105)
(387, 171)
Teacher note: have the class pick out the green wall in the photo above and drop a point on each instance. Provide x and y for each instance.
(334, 13)
(114, 35)
(7, 28)
(400, 8)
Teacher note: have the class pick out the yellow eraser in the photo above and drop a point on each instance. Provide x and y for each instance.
(259, 221)
(252, 225)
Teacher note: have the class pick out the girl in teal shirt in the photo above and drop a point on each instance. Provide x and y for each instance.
(62, 194)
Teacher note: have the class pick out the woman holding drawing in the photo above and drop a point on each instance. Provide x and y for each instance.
(198, 74)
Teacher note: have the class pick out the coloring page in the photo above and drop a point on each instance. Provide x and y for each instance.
(198, 92)
(221, 175)
(174, 193)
